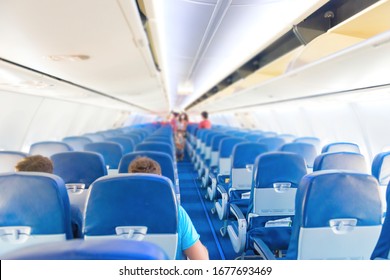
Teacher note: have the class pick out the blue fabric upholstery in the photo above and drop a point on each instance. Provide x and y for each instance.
(8, 160)
(382, 248)
(106, 249)
(340, 160)
(131, 199)
(341, 147)
(306, 150)
(79, 167)
(126, 143)
(270, 168)
(380, 168)
(246, 153)
(156, 146)
(48, 148)
(34, 199)
(272, 143)
(77, 142)
(111, 152)
(226, 146)
(334, 194)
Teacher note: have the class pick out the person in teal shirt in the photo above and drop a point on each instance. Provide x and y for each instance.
(189, 245)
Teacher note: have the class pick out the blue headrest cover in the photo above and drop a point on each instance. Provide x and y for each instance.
(35, 199)
(79, 167)
(352, 147)
(210, 136)
(155, 146)
(165, 161)
(276, 167)
(78, 249)
(340, 160)
(246, 153)
(131, 200)
(308, 151)
(111, 152)
(382, 248)
(226, 146)
(381, 165)
(272, 142)
(217, 140)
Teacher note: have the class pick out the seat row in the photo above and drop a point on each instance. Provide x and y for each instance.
(35, 209)
(239, 194)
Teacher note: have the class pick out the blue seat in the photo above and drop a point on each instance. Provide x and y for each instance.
(221, 175)
(116, 249)
(34, 208)
(341, 147)
(306, 150)
(240, 183)
(380, 169)
(211, 164)
(276, 178)
(133, 206)
(272, 143)
(78, 170)
(382, 247)
(340, 160)
(337, 216)
(254, 137)
(48, 148)
(112, 152)
(9, 159)
(77, 142)
(157, 147)
(165, 161)
(126, 143)
(310, 140)
(95, 137)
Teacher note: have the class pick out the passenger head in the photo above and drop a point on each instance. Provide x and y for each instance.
(183, 117)
(205, 115)
(36, 163)
(144, 165)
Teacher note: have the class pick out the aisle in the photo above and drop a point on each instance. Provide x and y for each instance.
(199, 209)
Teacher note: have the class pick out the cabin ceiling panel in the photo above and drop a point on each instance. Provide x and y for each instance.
(99, 45)
(200, 42)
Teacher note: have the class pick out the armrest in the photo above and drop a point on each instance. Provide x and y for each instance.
(238, 239)
(262, 249)
(222, 206)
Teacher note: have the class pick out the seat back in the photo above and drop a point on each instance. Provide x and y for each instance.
(272, 143)
(382, 247)
(126, 143)
(380, 169)
(133, 206)
(34, 208)
(341, 147)
(340, 160)
(77, 142)
(337, 216)
(310, 140)
(8, 160)
(110, 151)
(306, 150)
(48, 148)
(215, 141)
(156, 147)
(243, 159)
(79, 249)
(225, 152)
(275, 181)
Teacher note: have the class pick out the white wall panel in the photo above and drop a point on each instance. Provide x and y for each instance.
(27, 119)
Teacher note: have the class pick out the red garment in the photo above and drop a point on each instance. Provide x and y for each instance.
(205, 124)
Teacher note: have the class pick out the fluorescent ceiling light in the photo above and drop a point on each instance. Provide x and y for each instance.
(68, 57)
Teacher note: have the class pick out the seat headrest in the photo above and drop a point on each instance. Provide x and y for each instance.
(340, 160)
